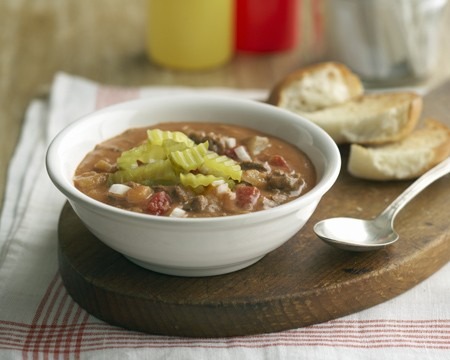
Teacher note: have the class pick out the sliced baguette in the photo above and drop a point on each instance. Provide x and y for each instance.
(371, 119)
(406, 159)
(316, 87)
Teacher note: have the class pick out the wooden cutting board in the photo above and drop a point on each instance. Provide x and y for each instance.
(303, 282)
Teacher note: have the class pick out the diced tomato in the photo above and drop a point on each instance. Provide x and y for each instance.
(278, 161)
(159, 203)
(247, 196)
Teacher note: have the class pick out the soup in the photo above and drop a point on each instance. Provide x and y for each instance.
(189, 169)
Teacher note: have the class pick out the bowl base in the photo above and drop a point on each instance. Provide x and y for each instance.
(195, 272)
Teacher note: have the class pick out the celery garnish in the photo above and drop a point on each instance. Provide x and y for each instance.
(171, 146)
(143, 154)
(157, 136)
(190, 158)
(221, 166)
(157, 172)
(168, 157)
(195, 180)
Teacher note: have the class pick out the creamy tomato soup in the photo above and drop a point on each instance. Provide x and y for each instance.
(195, 170)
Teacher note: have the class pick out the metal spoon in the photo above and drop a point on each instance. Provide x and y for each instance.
(365, 235)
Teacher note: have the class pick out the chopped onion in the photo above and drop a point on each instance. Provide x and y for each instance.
(218, 182)
(242, 154)
(222, 188)
(257, 144)
(230, 142)
(268, 204)
(178, 212)
(118, 190)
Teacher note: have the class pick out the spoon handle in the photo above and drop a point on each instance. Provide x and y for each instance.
(416, 187)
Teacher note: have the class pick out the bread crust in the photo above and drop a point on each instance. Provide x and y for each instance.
(351, 81)
(407, 159)
(442, 151)
(414, 113)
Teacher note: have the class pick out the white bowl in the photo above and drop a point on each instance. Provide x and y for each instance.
(192, 246)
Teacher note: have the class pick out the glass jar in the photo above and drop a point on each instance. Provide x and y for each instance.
(385, 41)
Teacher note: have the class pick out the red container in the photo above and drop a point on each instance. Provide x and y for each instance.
(266, 26)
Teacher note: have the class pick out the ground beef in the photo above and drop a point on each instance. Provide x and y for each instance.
(216, 142)
(197, 204)
(281, 180)
(177, 193)
(251, 165)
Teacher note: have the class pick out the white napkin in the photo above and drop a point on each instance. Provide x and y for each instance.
(38, 319)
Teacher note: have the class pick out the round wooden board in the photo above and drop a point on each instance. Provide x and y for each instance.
(303, 282)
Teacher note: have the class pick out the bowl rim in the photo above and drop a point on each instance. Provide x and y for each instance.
(327, 180)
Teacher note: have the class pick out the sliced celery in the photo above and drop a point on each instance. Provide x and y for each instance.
(171, 146)
(157, 172)
(190, 158)
(144, 153)
(157, 136)
(168, 157)
(195, 180)
(221, 166)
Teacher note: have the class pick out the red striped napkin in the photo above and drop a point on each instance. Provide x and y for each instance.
(39, 320)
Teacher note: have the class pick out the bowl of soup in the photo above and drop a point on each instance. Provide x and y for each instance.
(193, 185)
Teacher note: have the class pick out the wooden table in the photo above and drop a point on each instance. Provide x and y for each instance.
(104, 40)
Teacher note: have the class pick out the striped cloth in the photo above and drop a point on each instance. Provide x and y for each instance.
(39, 320)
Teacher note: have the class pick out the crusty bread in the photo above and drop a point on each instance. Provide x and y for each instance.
(370, 119)
(406, 159)
(316, 87)
(333, 97)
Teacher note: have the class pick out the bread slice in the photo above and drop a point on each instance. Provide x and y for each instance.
(371, 119)
(316, 87)
(406, 159)
(332, 96)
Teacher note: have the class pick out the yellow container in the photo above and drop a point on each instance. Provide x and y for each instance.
(190, 34)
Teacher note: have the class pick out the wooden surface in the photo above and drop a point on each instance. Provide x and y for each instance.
(303, 282)
(104, 40)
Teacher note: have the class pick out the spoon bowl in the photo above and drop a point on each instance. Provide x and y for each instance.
(356, 234)
(366, 235)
